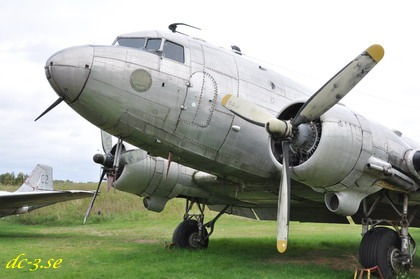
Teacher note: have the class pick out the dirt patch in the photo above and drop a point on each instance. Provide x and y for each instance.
(345, 262)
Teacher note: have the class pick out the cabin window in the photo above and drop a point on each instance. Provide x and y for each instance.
(153, 44)
(131, 42)
(173, 51)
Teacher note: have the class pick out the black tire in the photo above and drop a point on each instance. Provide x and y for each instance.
(369, 247)
(376, 249)
(186, 236)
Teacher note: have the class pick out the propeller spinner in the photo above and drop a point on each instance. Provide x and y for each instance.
(319, 103)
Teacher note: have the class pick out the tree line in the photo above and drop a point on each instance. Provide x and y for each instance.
(12, 178)
(17, 180)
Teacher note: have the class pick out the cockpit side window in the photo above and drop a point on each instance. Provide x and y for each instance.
(131, 42)
(173, 51)
(153, 44)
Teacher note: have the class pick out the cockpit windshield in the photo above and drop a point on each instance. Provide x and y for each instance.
(168, 49)
(131, 42)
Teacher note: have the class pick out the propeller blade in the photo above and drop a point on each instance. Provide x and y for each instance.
(106, 141)
(337, 87)
(283, 207)
(119, 149)
(58, 101)
(94, 198)
(247, 110)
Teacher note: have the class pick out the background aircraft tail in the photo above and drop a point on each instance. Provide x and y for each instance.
(40, 179)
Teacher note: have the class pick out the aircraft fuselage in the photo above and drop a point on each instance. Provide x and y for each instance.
(162, 105)
(176, 97)
(162, 92)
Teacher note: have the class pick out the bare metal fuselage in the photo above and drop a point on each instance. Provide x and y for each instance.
(166, 107)
(163, 92)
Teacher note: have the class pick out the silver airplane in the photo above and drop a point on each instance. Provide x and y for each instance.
(37, 191)
(220, 130)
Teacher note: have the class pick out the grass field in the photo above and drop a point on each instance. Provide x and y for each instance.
(126, 241)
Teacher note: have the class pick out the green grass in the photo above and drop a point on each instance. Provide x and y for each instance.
(126, 241)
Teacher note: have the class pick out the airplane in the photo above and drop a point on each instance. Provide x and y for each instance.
(37, 191)
(222, 131)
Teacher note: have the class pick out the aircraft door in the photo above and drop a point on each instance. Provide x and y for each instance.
(200, 121)
(200, 100)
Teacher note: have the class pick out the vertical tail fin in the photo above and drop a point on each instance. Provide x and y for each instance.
(40, 179)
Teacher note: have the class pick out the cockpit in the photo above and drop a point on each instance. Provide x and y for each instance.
(160, 46)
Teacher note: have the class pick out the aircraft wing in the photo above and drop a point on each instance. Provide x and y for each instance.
(40, 198)
(308, 206)
(303, 200)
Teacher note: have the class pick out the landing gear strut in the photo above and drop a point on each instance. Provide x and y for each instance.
(391, 250)
(192, 233)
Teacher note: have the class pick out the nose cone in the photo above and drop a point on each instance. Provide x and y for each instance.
(67, 71)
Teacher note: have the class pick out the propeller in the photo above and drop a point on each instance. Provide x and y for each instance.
(94, 197)
(110, 164)
(283, 205)
(285, 130)
(106, 139)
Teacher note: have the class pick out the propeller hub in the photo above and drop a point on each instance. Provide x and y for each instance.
(279, 128)
(105, 160)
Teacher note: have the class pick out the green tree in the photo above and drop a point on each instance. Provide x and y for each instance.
(20, 178)
(12, 179)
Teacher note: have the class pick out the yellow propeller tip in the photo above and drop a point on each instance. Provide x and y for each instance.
(281, 246)
(226, 99)
(376, 52)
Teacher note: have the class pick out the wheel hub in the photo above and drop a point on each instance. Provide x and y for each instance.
(195, 240)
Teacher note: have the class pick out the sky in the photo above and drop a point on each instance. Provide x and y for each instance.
(307, 40)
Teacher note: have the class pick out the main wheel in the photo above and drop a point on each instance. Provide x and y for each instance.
(186, 235)
(381, 247)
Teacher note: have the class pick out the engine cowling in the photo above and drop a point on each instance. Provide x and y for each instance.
(412, 158)
(326, 150)
(416, 160)
(332, 155)
(152, 178)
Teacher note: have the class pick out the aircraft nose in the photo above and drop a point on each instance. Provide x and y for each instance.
(67, 71)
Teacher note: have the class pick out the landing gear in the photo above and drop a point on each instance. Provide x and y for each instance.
(381, 247)
(392, 250)
(192, 233)
(187, 235)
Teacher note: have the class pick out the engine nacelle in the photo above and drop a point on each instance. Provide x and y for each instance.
(331, 149)
(337, 153)
(332, 153)
(416, 160)
(412, 158)
(152, 178)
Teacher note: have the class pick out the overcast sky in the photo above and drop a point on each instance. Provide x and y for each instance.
(310, 40)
